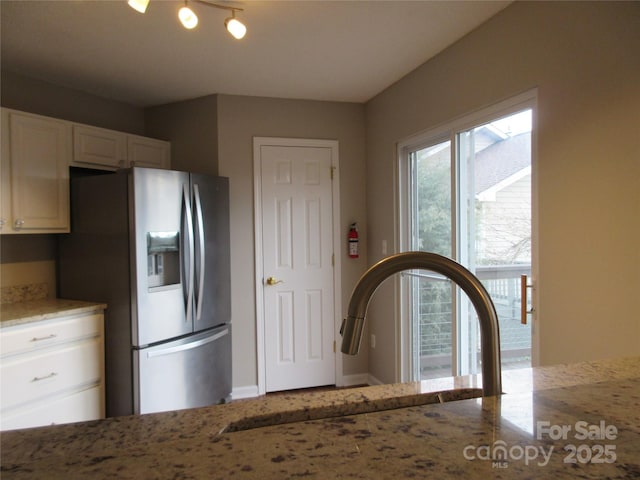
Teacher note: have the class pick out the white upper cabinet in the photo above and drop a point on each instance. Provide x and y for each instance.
(98, 147)
(35, 178)
(95, 147)
(148, 152)
(34, 166)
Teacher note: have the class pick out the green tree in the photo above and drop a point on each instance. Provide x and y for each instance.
(432, 230)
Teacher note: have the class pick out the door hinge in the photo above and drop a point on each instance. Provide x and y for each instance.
(334, 346)
(333, 259)
(331, 171)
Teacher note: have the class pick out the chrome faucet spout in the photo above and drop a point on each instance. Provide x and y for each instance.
(353, 326)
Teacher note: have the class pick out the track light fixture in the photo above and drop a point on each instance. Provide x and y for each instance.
(139, 5)
(235, 26)
(189, 19)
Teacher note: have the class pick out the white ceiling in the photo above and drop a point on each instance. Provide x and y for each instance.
(320, 50)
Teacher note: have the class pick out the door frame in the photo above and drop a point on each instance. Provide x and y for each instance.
(258, 143)
(527, 99)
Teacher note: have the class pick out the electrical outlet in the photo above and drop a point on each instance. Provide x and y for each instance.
(373, 341)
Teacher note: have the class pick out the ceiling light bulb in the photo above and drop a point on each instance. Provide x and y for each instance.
(235, 27)
(139, 5)
(187, 17)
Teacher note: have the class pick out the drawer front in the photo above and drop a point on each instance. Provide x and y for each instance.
(29, 378)
(78, 407)
(32, 337)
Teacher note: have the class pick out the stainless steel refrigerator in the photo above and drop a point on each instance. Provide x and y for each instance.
(154, 246)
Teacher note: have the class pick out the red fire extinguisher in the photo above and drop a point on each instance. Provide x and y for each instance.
(353, 241)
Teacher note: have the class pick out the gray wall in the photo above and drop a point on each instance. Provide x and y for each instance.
(192, 128)
(27, 248)
(35, 96)
(584, 59)
(239, 120)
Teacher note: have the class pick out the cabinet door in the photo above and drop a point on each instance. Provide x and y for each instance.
(99, 147)
(39, 153)
(147, 152)
(5, 175)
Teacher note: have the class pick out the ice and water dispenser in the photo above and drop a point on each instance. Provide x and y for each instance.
(163, 259)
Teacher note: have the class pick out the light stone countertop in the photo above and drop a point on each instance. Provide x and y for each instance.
(454, 439)
(20, 313)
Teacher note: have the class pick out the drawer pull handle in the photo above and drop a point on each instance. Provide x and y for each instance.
(51, 375)
(40, 339)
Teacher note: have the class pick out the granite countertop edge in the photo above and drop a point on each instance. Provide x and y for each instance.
(22, 313)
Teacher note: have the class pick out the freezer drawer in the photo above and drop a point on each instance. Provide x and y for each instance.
(194, 371)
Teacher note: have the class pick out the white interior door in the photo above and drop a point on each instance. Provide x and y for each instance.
(297, 266)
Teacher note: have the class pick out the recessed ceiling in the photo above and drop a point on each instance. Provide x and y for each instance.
(319, 50)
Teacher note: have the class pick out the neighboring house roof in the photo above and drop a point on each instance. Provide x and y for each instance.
(502, 162)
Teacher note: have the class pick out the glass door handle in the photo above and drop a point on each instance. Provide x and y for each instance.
(273, 281)
(524, 286)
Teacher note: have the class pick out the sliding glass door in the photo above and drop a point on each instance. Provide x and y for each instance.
(467, 195)
(431, 296)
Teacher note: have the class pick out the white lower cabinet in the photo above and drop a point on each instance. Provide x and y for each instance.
(52, 372)
(84, 405)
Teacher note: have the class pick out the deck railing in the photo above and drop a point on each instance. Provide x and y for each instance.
(434, 306)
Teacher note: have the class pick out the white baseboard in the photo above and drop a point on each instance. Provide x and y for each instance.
(248, 391)
(356, 379)
(251, 391)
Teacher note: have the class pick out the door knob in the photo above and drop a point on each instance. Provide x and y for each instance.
(273, 281)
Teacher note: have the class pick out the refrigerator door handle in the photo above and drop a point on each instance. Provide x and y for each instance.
(187, 346)
(201, 250)
(189, 240)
